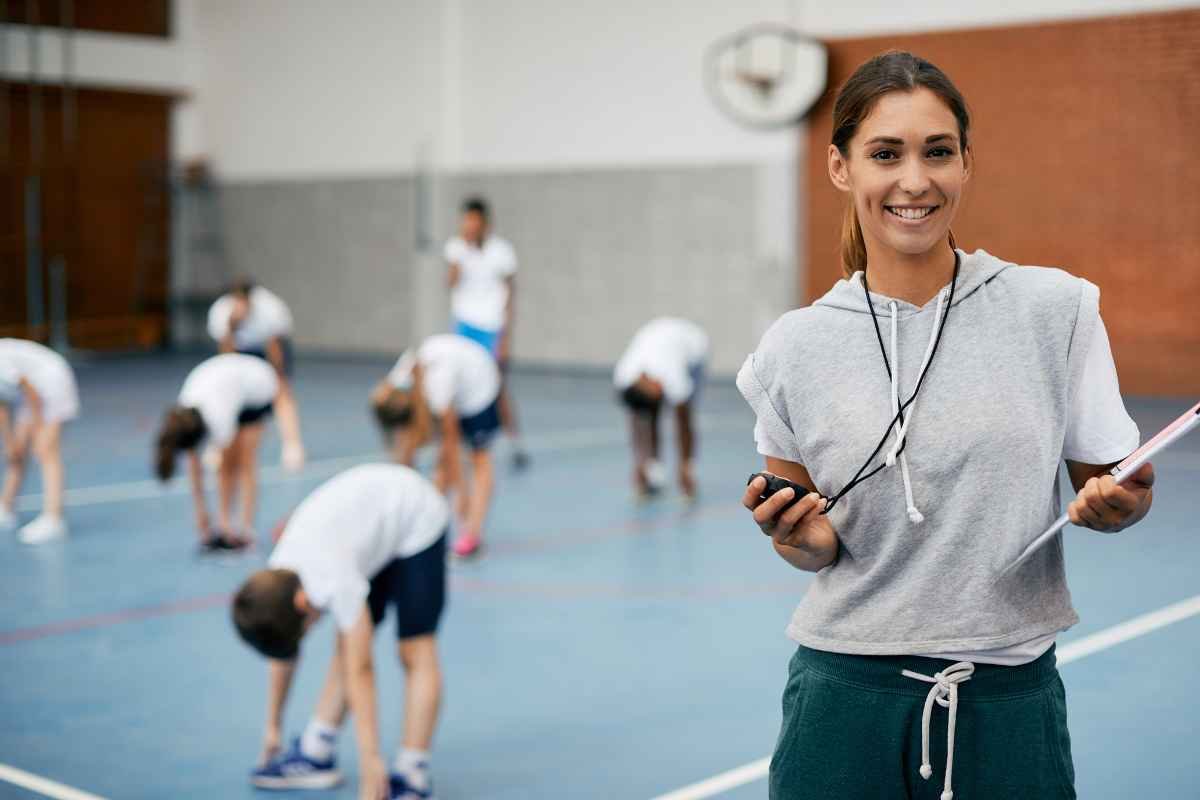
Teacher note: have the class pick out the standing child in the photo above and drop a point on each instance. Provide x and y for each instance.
(38, 385)
(254, 321)
(224, 402)
(482, 278)
(664, 363)
(448, 386)
(368, 538)
(973, 379)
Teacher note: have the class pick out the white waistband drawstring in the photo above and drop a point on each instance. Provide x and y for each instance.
(914, 514)
(945, 693)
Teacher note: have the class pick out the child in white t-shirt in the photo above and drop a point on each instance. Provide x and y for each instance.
(38, 385)
(482, 277)
(254, 321)
(664, 362)
(449, 386)
(368, 538)
(224, 401)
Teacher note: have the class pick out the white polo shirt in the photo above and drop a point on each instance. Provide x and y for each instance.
(669, 350)
(268, 317)
(459, 373)
(479, 297)
(221, 387)
(351, 527)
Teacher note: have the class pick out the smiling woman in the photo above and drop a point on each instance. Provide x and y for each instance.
(1014, 375)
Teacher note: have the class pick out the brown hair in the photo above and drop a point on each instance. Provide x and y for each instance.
(182, 429)
(893, 71)
(242, 287)
(404, 409)
(265, 614)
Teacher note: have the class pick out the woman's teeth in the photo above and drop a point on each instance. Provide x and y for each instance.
(911, 213)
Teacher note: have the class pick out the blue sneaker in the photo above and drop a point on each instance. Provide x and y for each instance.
(294, 770)
(401, 790)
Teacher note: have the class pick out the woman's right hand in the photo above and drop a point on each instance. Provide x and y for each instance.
(801, 528)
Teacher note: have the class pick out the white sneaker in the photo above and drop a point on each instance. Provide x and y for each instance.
(43, 529)
(8, 520)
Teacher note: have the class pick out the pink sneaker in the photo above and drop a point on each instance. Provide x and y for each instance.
(467, 545)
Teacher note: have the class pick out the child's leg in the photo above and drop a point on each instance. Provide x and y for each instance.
(14, 475)
(47, 448)
(247, 442)
(227, 475)
(422, 690)
(480, 491)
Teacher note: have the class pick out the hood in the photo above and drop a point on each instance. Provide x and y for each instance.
(975, 270)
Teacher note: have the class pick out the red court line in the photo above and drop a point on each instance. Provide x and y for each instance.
(459, 582)
(112, 618)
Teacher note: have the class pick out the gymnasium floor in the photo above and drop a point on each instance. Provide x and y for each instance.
(600, 650)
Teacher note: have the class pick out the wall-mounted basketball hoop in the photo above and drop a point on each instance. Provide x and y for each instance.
(767, 75)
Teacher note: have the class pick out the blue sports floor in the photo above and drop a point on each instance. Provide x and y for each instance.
(601, 649)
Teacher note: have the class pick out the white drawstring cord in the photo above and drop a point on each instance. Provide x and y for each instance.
(914, 514)
(945, 693)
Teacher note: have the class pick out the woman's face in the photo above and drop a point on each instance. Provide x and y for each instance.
(905, 170)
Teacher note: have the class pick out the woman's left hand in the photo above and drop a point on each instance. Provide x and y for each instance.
(1104, 505)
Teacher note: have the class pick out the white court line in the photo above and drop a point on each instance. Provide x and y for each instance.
(43, 786)
(1074, 651)
(150, 489)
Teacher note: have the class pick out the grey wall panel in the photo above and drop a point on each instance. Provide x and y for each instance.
(601, 252)
(340, 252)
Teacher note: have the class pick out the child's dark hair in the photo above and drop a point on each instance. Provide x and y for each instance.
(265, 614)
(476, 205)
(639, 402)
(394, 411)
(182, 429)
(242, 287)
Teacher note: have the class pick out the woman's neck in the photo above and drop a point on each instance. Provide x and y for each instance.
(913, 279)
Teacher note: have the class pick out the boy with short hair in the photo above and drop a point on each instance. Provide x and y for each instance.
(369, 537)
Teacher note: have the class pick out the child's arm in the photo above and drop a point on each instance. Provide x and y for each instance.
(355, 646)
(280, 682)
(34, 400)
(449, 474)
(687, 446)
(196, 476)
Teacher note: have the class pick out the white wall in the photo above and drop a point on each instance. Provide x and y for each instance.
(302, 88)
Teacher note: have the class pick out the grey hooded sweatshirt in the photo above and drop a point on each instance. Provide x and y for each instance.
(924, 541)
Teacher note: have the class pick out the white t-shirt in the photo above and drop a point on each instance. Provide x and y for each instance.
(459, 373)
(479, 297)
(47, 372)
(268, 317)
(351, 527)
(223, 386)
(669, 350)
(1099, 431)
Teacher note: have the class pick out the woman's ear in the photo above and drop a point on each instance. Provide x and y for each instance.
(839, 169)
(968, 163)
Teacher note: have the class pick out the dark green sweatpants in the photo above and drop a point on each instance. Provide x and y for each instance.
(852, 731)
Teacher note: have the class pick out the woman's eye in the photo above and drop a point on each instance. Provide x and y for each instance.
(884, 155)
(941, 152)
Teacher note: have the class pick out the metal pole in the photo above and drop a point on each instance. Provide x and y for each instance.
(34, 299)
(59, 330)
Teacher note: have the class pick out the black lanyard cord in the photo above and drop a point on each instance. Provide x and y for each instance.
(859, 477)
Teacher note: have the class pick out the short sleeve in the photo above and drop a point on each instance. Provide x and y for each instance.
(221, 425)
(348, 601)
(218, 319)
(677, 385)
(506, 260)
(453, 252)
(773, 436)
(1099, 429)
(438, 385)
(10, 383)
(400, 375)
